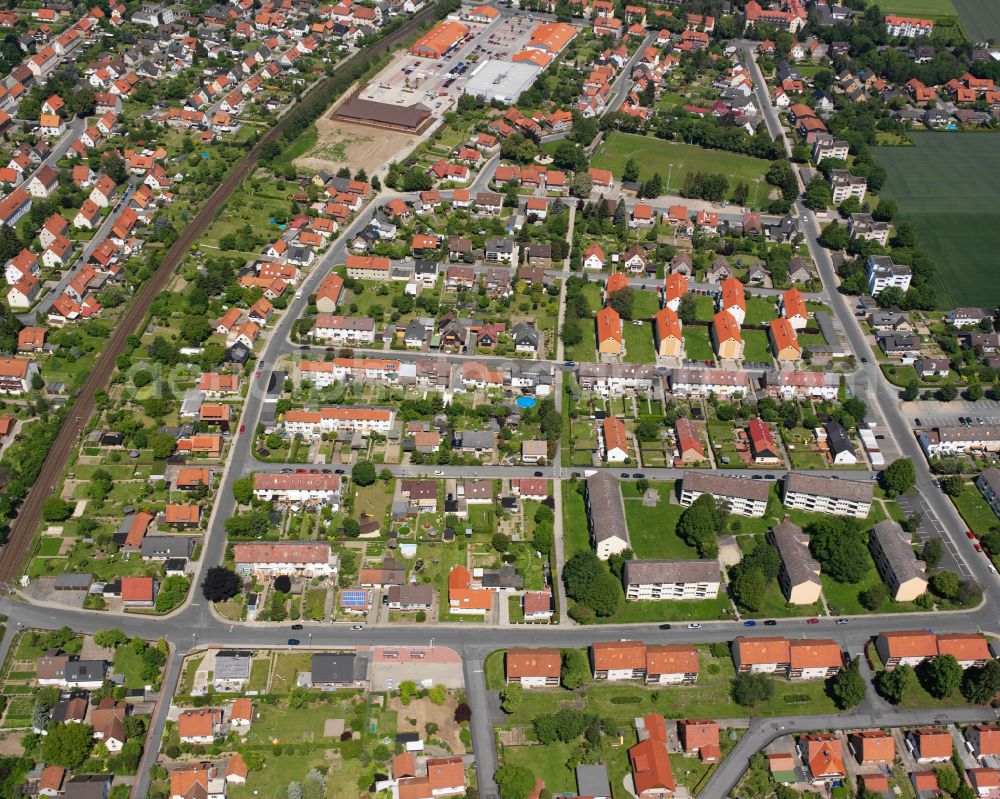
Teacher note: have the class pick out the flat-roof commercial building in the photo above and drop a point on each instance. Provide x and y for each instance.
(501, 80)
(397, 117)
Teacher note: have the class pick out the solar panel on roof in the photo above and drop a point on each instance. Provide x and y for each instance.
(353, 599)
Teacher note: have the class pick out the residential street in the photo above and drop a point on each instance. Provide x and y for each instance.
(196, 626)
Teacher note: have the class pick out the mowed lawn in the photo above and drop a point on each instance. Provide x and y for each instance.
(919, 8)
(948, 186)
(656, 155)
(639, 347)
(652, 529)
(974, 509)
(979, 18)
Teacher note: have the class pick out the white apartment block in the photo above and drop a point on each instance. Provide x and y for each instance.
(309, 559)
(326, 373)
(743, 496)
(671, 579)
(827, 495)
(843, 185)
(344, 329)
(297, 488)
(883, 273)
(340, 419)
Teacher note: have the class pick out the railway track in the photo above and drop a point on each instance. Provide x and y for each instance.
(24, 525)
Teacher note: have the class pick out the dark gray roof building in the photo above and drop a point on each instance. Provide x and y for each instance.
(643, 572)
(606, 514)
(593, 781)
(167, 546)
(332, 669)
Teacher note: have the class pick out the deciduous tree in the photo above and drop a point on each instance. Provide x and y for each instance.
(750, 689)
(220, 584)
(899, 477)
(848, 687)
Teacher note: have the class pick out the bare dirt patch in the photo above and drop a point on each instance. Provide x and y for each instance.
(10, 744)
(355, 146)
(423, 711)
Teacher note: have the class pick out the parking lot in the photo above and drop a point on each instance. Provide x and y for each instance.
(931, 528)
(984, 412)
(438, 84)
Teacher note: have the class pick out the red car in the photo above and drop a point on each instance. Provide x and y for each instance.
(812, 621)
(969, 535)
(978, 547)
(243, 428)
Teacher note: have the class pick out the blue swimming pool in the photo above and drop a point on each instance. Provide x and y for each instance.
(526, 402)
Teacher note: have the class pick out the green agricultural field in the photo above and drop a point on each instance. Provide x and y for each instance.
(980, 18)
(947, 186)
(920, 8)
(656, 155)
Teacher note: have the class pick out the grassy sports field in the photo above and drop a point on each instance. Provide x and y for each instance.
(980, 18)
(656, 155)
(918, 8)
(948, 186)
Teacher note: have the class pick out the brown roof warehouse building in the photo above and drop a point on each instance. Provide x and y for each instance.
(410, 118)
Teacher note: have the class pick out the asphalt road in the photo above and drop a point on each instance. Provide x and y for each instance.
(869, 384)
(103, 231)
(195, 624)
(763, 731)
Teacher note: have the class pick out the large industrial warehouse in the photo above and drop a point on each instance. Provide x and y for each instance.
(501, 80)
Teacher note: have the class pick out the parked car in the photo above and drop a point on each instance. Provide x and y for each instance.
(294, 642)
(296, 626)
(749, 623)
